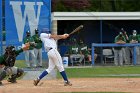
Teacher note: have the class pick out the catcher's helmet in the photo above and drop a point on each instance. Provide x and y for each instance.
(10, 49)
(45, 30)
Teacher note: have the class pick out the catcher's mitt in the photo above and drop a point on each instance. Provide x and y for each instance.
(26, 46)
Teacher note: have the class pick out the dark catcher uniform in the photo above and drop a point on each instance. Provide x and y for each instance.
(7, 62)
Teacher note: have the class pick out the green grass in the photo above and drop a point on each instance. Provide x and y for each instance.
(101, 72)
(20, 63)
(95, 71)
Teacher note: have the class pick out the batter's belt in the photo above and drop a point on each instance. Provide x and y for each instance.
(48, 49)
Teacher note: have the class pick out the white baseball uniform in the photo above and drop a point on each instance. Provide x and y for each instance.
(53, 55)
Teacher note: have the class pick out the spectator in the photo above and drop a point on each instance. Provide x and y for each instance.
(134, 39)
(29, 39)
(118, 53)
(38, 48)
(74, 52)
(126, 50)
(84, 50)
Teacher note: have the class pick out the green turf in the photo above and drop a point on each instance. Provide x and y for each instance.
(102, 71)
(95, 71)
(20, 63)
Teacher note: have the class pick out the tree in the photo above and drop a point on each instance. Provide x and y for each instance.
(96, 5)
(70, 5)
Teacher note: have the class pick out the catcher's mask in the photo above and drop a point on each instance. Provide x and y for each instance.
(10, 50)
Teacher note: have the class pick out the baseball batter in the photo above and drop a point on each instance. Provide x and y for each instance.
(55, 59)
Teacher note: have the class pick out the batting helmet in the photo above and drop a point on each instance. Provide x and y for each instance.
(45, 30)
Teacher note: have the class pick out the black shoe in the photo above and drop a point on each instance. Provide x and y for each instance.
(1, 83)
(36, 81)
(12, 80)
(67, 83)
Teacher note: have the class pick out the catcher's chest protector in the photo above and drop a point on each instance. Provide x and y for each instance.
(10, 60)
(10, 56)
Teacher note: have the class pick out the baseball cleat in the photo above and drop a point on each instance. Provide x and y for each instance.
(67, 83)
(1, 83)
(36, 82)
(12, 80)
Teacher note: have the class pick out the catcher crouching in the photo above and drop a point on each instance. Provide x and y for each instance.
(7, 62)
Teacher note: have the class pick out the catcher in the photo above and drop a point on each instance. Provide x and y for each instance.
(7, 62)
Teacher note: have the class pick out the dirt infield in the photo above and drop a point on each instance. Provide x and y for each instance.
(79, 85)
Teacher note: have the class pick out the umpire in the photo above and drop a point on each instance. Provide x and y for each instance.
(7, 62)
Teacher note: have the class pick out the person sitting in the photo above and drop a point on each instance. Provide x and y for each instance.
(75, 56)
(84, 51)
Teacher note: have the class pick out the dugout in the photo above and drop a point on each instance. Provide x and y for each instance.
(99, 27)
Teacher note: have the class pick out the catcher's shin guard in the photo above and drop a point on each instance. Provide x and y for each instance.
(19, 72)
(13, 77)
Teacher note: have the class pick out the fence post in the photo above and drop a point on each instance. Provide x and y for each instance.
(134, 56)
(92, 55)
(1, 26)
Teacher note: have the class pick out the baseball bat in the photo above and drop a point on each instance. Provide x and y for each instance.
(76, 30)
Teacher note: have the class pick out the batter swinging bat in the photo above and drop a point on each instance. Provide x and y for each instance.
(77, 29)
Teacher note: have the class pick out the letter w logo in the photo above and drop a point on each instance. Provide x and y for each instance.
(28, 13)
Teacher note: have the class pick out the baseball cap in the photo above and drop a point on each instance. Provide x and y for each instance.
(28, 32)
(120, 33)
(36, 31)
(134, 31)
